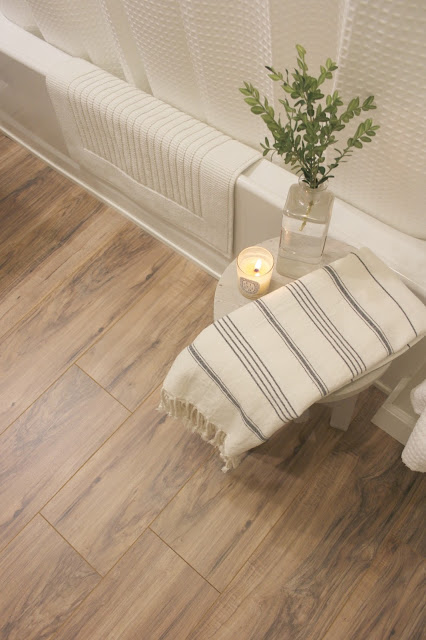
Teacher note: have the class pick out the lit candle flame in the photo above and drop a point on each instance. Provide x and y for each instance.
(257, 266)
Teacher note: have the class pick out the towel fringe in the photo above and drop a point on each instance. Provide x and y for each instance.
(196, 422)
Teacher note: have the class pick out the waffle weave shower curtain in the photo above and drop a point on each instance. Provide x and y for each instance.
(194, 54)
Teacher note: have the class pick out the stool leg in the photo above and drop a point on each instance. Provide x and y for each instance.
(342, 412)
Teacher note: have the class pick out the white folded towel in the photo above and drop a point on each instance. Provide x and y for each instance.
(261, 366)
(414, 453)
(171, 164)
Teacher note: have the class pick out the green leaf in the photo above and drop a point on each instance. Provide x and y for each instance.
(257, 110)
(246, 92)
(300, 50)
(251, 101)
(357, 144)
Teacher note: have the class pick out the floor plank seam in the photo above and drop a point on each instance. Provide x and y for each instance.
(70, 545)
(185, 561)
(70, 478)
(38, 398)
(212, 453)
(103, 577)
(75, 360)
(106, 390)
(278, 519)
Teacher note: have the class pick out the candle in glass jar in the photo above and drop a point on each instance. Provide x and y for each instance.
(254, 270)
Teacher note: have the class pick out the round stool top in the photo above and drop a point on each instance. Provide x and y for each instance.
(228, 298)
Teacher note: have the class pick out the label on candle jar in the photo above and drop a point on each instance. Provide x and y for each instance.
(249, 286)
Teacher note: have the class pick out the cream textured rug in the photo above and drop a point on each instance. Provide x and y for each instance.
(171, 164)
(260, 367)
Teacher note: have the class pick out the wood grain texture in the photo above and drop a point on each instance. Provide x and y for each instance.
(321, 532)
(42, 581)
(109, 503)
(152, 594)
(74, 315)
(249, 500)
(409, 527)
(41, 260)
(305, 569)
(386, 602)
(133, 358)
(49, 442)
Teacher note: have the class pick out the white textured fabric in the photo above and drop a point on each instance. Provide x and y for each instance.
(177, 166)
(383, 52)
(125, 44)
(293, 21)
(194, 54)
(79, 28)
(19, 12)
(229, 42)
(261, 366)
(414, 453)
(159, 33)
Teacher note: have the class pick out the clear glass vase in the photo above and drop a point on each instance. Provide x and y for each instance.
(306, 218)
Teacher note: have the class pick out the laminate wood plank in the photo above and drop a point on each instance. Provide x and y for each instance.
(26, 202)
(49, 442)
(151, 594)
(133, 358)
(36, 212)
(305, 569)
(249, 500)
(74, 315)
(107, 505)
(42, 581)
(409, 527)
(40, 274)
(388, 601)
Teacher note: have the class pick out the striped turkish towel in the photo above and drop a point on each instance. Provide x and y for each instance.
(261, 366)
(171, 164)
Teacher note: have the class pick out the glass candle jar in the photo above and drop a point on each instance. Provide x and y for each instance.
(254, 271)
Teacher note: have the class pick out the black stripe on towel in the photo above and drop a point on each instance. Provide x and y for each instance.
(317, 315)
(286, 402)
(296, 351)
(254, 367)
(385, 290)
(203, 364)
(358, 309)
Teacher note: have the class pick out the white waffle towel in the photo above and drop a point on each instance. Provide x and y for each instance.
(261, 366)
(414, 454)
(170, 163)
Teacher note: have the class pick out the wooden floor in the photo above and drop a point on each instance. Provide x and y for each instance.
(117, 524)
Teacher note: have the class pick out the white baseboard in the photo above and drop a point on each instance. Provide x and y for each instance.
(191, 248)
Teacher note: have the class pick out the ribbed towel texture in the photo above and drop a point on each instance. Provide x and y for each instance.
(142, 145)
(414, 454)
(260, 367)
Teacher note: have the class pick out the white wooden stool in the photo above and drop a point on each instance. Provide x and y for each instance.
(228, 298)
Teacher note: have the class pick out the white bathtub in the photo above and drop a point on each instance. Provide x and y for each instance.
(26, 114)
